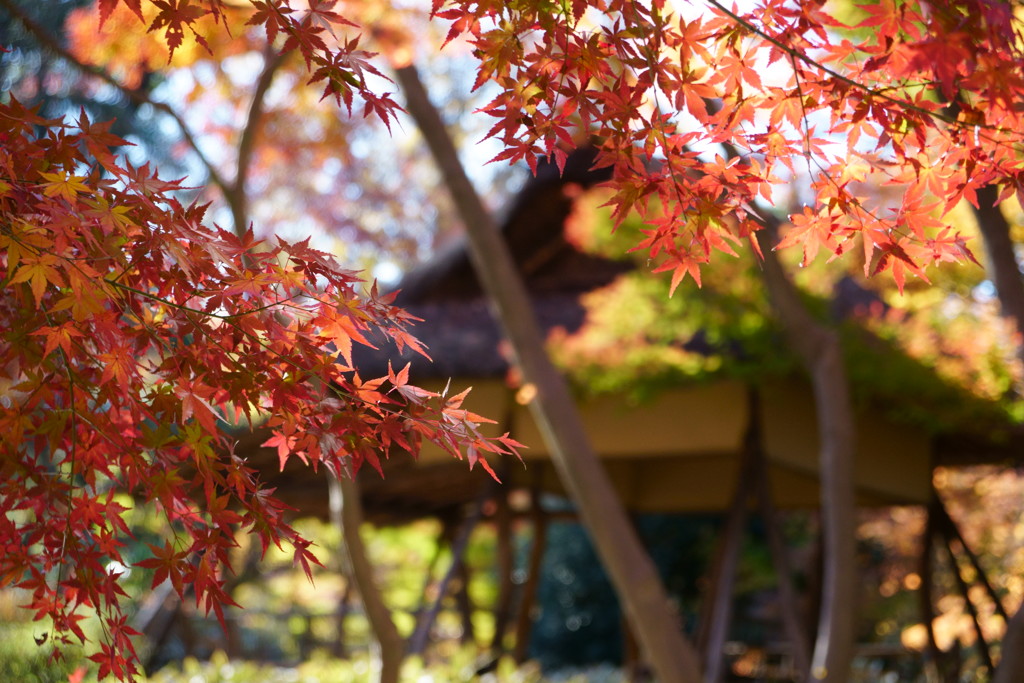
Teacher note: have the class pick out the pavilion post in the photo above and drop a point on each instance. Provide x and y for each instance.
(791, 621)
(927, 601)
(417, 642)
(503, 608)
(524, 619)
(724, 578)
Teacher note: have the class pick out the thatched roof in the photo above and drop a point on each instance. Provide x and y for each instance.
(533, 225)
(459, 330)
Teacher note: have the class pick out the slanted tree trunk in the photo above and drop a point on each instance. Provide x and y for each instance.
(819, 351)
(640, 590)
(1006, 275)
(1011, 666)
(1002, 260)
(347, 514)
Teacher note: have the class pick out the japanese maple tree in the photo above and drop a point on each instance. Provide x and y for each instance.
(135, 338)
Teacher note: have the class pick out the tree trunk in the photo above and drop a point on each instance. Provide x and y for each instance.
(819, 351)
(1006, 275)
(236, 195)
(723, 583)
(1011, 667)
(631, 570)
(1002, 260)
(347, 514)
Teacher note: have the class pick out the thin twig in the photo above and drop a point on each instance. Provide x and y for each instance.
(136, 95)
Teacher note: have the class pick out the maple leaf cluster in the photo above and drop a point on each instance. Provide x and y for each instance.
(309, 28)
(134, 340)
(701, 110)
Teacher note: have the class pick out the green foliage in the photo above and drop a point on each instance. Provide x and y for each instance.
(974, 395)
(461, 666)
(637, 341)
(24, 659)
(580, 620)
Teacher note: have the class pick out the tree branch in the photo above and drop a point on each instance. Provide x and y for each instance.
(1002, 259)
(236, 196)
(347, 514)
(139, 96)
(873, 92)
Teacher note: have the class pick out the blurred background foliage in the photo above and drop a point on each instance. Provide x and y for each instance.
(288, 629)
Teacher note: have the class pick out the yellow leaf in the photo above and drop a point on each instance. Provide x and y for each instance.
(38, 272)
(63, 185)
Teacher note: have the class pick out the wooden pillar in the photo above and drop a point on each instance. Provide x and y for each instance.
(465, 603)
(156, 619)
(952, 531)
(719, 614)
(933, 655)
(972, 610)
(307, 641)
(1011, 666)
(791, 621)
(503, 607)
(232, 637)
(188, 633)
(524, 619)
(752, 479)
(418, 640)
(449, 526)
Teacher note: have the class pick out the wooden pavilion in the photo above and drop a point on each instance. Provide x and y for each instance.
(700, 448)
(689, 454)
(678, 452)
